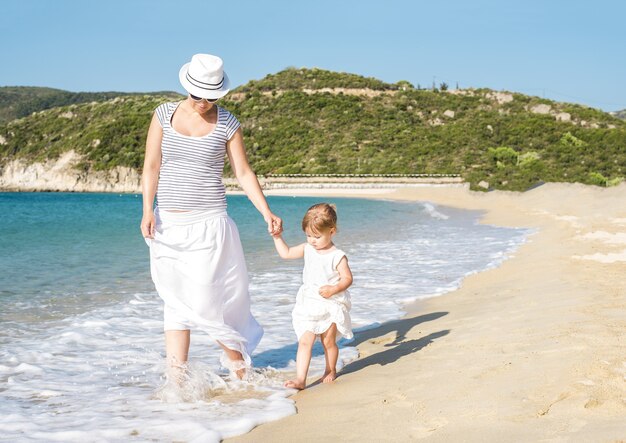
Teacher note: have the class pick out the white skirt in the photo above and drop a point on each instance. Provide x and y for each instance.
(198, 268)
(314, 313)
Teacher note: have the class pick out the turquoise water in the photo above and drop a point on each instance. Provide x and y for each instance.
(80, 320)
(62, 252)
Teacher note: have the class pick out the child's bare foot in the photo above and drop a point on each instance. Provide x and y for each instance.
(295, 384)
(329, 376)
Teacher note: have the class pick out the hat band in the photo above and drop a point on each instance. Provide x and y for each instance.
(203, 85)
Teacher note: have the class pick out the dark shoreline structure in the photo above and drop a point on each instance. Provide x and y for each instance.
(353, 181)
(279, 181)
(361, 176)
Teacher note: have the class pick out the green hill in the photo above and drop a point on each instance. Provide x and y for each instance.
(316, 121)
(20, 101)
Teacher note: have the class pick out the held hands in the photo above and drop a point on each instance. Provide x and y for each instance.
(327, 291)
(274, 225)
(147, 225)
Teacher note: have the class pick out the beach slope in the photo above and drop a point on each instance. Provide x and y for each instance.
(534, 350)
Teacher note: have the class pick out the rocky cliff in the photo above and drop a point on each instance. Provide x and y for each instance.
(62, 175)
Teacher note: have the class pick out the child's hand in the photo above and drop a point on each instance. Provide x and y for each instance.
(274, 224)
(277, 228)
(327, 291)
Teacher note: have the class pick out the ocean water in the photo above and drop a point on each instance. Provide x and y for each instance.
(81, 342)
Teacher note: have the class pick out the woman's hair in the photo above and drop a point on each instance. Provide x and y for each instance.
(321, 217)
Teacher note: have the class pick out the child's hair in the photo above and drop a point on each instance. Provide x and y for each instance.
(321, 217)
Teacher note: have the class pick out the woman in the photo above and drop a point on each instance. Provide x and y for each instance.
(196, 258)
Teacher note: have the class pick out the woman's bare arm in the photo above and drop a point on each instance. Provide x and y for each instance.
(150, 175)
(248, 181)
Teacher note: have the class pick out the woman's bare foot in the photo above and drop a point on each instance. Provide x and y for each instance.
(241, 373)
(233, 361)
(329, 376)
(238, 367)
(295, 384)
(177, 372)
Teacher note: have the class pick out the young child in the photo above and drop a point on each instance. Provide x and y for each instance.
(323, 302)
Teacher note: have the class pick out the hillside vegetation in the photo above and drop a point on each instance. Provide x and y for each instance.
(20, 101)
(316, 121)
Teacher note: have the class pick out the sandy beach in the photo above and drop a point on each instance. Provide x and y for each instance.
(533, 350)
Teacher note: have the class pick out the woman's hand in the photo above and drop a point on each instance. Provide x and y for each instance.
(274, 224)
(147, 225)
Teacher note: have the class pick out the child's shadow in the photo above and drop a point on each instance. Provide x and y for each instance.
(279, 358)
(398, 348)
(400, 327)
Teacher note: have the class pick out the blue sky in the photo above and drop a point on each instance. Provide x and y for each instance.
(564, 50)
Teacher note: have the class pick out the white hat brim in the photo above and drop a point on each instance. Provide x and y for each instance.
(199, 92)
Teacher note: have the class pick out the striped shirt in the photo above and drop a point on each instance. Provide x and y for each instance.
(192, 167)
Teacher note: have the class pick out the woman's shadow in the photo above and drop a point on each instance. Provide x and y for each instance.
(280, 358)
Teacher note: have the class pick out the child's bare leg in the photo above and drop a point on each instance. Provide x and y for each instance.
(303, 359)
(177, 351)
(331, 353)
(234, 356)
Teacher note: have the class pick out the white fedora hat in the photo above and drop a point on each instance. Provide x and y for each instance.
(204, 77)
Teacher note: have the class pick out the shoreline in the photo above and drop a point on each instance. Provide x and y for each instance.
(60, 176)
(529, 350)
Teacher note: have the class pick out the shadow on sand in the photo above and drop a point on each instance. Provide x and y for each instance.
(279, 358)
(392, 354)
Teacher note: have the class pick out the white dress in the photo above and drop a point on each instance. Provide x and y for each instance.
(313, 312)
(199, 270)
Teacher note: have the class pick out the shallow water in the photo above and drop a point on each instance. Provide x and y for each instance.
(81, 352)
